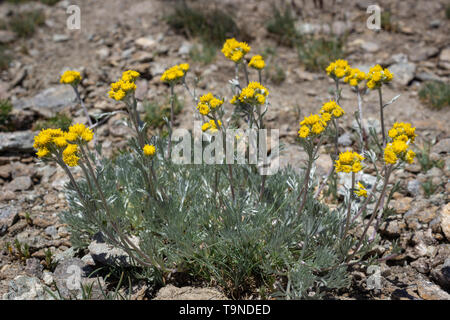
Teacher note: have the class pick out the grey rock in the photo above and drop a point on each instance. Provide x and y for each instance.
(442, 275)
(444, 58)
(50, 101)
(427, 76)
(34, 267)
(435, 23)
(103, 53)
(27, 288)
(8, 216)
(146, 42)
(442, 146)
(60, 37)
(403, 72)
(339, 28)
(430, 291)
(7, 36)
(308, 28)
(185, 48)
(171, 292)
(19, 184)
(16, 142)
(71, 275)
(423, 53)
(51, 231)
(64, 255)
(370, 47)
(413, 187)
(345, 139)
(106, 254)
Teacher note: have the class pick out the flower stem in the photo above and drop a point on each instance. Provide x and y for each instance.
(349, 210)
(380, 95)
(172, 101)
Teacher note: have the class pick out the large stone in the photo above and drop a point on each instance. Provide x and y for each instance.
(7, 36)
(445, 220)
(50, 101)
(27, 288)
(107, 254)
(403, 72)
(430, 291)
(444, 58)
(16, 142)
(442, 275)
(71, 275)
(19, 184)
(171, 292)
(442, 146)
(8, 216)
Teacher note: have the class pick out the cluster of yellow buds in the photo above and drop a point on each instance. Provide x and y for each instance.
(338, 69)
(207, 103)
(330, 110)
(121, 88)
(53, 141)
(71, 77)
(257, 62)
(403, 131)
(401, 134)
(253, 94)
(349, 161)
(361, 191)
(175, 73)
(149, 150)
(211, 126)
(377, 75)
(312, 125)
(235, 50)
(354, 77)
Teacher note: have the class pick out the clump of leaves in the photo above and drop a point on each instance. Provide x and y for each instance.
(156, 113)
(429, 187)
(282, 27)
(317, 53)
(5, 110)
(24, 24)
(212, 26)
(204, 53)
(60, 120)
(423, 156)
(5, 58)
(386, 21)
(435, 93)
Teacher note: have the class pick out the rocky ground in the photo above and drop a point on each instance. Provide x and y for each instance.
(124, 35)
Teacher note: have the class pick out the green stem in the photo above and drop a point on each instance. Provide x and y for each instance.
(380, 95)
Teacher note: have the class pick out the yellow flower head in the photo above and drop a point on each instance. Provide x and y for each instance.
(338, 69)
(401, 129)
(331, 108)
(208, 103)
(175, 73)
(377, 76)
(235, 50)
(354, 77)
(211, 126)
(70, 77)
(361, 191)
(149, 150)
(70, 156)
(48, 140)
(121, 88)
(349, 162)
(254, 94)
(79, 133)
(312, 125)
(257, 62)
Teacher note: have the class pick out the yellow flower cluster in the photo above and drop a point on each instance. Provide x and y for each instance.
(172, 75)
(349, 161)
(377, 75)
(257, 62)
(361, 191)
(312, 125)
(211, 126)
(403, 131)
(207, 103)
(70, 156)
(401, 134)
(338, 69)
(354, 77)
(330, 110)
(54, 140)
(79, 133)
(253, 94)
(121, 88)
(70, 77)
(235, 50)
(149, 150)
